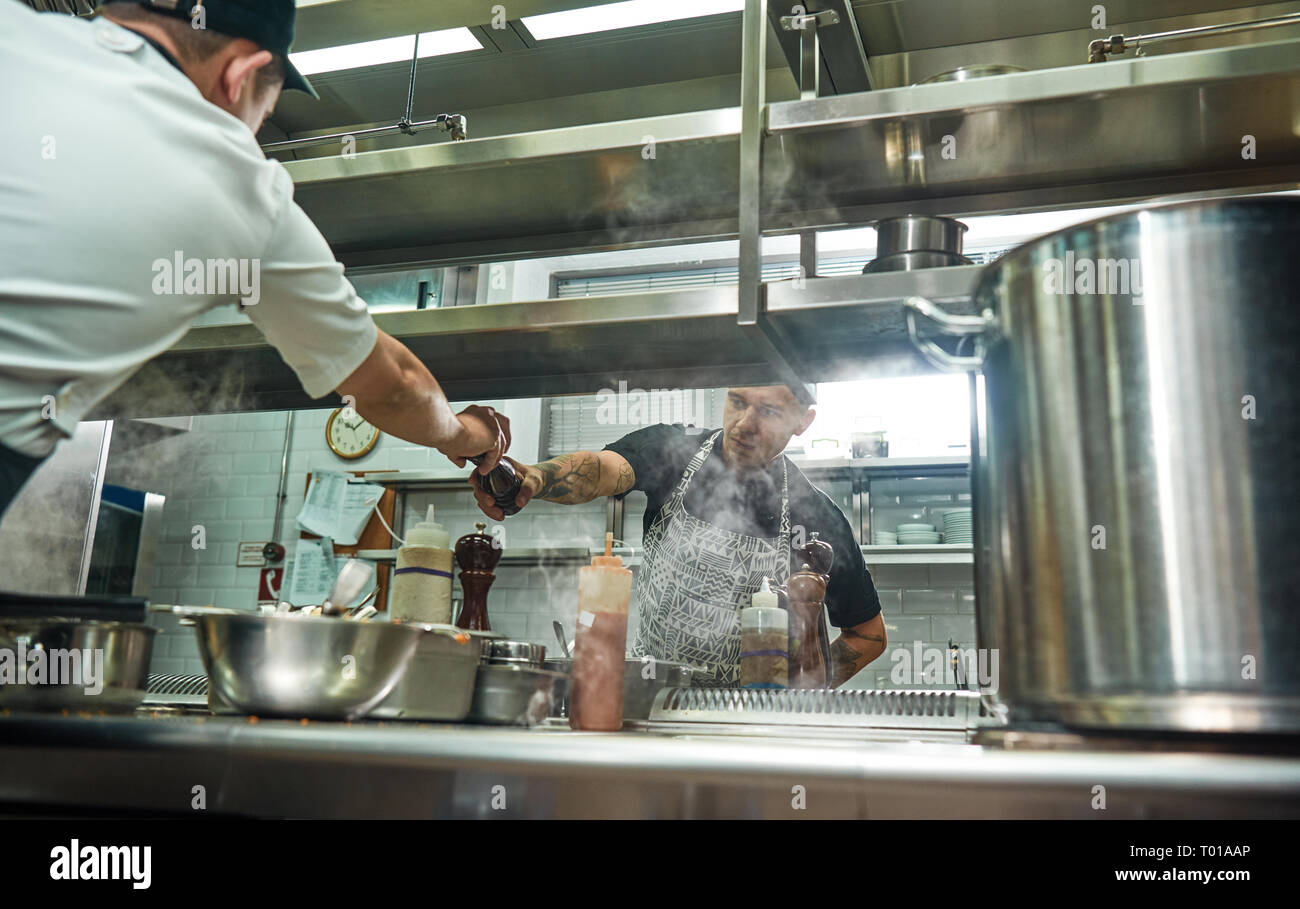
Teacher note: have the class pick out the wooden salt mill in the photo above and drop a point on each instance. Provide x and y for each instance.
(806, 594)
(477, 556)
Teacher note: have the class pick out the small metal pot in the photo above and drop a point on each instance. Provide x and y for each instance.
(638, 692)
(975, 71)
(518, 653)
(911, 242)
(89, 665)
(513, 695)
(918, 233)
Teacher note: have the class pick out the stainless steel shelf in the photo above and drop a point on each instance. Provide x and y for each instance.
(821, 467)
(1073, 135)
(842, 327)
(941, 554)
(1070, 135)
(1117, 131)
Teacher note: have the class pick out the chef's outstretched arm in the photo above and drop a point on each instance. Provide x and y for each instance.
(854, 649)
(570, 479)
(394, 391)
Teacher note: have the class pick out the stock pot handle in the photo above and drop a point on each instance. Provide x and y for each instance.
(948, 324)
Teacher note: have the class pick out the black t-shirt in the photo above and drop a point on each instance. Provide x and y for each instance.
(749, 502)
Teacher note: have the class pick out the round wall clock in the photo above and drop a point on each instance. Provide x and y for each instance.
(348, 434)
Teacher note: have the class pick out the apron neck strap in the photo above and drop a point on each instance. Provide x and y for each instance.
(697, 461)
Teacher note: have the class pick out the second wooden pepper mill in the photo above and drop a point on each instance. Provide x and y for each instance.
(805, 594)
(806, 591)
(477, 555)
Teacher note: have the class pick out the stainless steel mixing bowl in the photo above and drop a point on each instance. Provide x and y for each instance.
(302, 666)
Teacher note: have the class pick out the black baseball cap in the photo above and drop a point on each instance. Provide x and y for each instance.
(267, 23)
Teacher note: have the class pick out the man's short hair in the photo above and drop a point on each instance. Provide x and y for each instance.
(194, 45)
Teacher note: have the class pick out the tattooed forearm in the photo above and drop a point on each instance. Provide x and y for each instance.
(845, 663)
(626, 478)
(861, 636)
(570, 479)
(848, 657)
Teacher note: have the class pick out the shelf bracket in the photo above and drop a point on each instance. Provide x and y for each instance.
(810, 55)
(841, 59)
(751, 294)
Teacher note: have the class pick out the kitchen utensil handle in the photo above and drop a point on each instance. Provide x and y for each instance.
(189, 615)
(948, 324)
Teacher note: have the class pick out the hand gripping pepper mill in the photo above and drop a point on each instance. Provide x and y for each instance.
(477, 555)
(502, 483)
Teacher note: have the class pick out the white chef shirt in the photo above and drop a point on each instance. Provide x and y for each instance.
(111, 161)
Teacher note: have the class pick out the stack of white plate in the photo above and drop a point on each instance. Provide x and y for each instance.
(884, 538)
(957, 526)
(917, 535)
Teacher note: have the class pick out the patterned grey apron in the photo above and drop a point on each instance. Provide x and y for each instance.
(695, 579)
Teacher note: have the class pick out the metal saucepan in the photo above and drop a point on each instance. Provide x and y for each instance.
(87, 664)
(510, 694)
(74, 652)
(522, 653)
(911, 242)
(974, 71)
(301, 666)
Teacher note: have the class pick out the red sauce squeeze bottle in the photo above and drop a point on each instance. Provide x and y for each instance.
(604, 589)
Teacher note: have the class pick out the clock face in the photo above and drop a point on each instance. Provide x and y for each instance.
(349, 435)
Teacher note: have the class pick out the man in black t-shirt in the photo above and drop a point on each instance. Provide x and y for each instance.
(724, 509)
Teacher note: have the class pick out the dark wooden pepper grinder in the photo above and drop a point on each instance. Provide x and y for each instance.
(477, 556)
(806, 594)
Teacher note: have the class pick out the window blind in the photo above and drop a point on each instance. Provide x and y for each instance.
(590, 422)
(722, 275)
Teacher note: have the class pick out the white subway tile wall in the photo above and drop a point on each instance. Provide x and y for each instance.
(922, 610)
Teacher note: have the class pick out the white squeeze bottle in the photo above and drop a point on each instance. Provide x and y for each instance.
(764, 642)
(422, 581)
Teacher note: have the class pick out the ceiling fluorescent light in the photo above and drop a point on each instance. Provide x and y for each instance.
(628, 14)
(385, 50)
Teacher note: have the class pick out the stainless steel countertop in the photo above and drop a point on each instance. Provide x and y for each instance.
(290, 769)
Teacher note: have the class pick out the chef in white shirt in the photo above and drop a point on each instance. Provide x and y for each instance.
(134, 197)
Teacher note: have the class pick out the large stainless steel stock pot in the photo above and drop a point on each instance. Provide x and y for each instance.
(1137, 469)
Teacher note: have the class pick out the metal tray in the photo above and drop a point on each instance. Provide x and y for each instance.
(439, 683)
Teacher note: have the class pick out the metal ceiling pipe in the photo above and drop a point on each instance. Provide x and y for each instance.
(452, 123)
(1100, 49)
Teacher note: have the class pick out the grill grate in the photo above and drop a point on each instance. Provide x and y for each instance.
(176, 689)
(822, 707)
